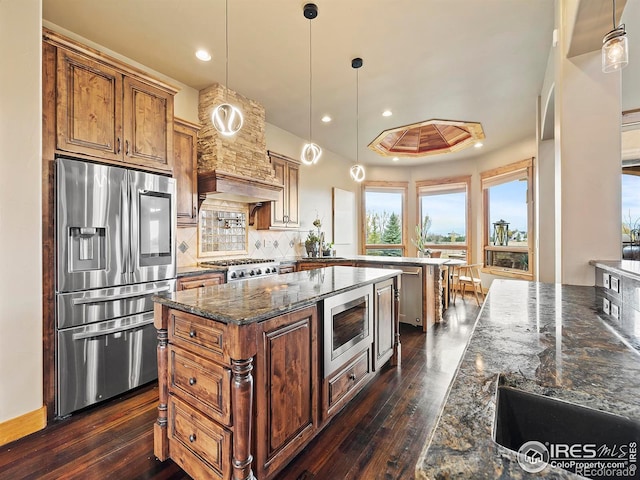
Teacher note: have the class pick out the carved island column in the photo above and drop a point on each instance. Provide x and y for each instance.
(160, 435)
(396, 359)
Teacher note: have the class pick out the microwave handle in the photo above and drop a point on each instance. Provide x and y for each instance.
(122, 296)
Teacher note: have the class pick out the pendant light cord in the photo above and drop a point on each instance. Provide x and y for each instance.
(226, 46)
(614, 14)
(310, 86)
(357, 111)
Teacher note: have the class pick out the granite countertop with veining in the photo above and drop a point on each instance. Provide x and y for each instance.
(541, 338)
(629, 268)
(385, 260)
(263, 298)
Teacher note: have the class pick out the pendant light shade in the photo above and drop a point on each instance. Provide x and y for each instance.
(357, 171)
(226, 118)
(311, 152)
(615, 47)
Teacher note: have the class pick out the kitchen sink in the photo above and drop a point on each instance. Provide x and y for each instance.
(574, 436)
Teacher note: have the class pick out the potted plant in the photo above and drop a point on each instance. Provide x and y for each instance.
(312, 244)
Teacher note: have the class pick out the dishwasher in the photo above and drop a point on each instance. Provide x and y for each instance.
(410, 294)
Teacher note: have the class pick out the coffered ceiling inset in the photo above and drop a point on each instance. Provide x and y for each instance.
(430, 137)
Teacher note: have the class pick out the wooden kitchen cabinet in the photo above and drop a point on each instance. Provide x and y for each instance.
(108, 110)
(284, 212)
(199, 281)
(286, 388)
(185, 170)
(383, 322)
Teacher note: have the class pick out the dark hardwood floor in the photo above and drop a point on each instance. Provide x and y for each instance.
(378, 436)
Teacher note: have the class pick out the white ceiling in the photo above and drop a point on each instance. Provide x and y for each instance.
(480, 61)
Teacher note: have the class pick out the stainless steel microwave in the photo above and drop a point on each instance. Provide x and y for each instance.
(348, 326)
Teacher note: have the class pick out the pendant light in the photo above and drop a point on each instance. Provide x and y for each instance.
(357, 171)
(615, 49)
(227, 119)
(311, 152)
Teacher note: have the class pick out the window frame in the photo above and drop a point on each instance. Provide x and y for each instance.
(377, 185)
(491, 178)
(452, 182)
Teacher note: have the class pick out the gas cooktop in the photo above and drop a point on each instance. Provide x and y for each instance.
(244, 268)
(236, 261)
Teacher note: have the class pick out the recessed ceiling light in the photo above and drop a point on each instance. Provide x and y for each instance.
(387, 113)
(395, 159)
(478, 145)
(326, 119)
(203, 55)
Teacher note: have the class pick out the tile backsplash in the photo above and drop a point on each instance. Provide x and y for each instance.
(262, 244)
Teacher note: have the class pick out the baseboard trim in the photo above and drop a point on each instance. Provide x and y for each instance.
(23, 425)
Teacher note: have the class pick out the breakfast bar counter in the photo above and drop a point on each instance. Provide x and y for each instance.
(538, 338)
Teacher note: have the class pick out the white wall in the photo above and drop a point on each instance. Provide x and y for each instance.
(316, 183)
(20, 208)
(588, 158)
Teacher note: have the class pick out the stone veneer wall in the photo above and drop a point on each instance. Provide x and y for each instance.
(245, 153)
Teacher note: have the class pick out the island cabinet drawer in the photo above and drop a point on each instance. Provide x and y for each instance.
(198, 334)
(205, 385)
(346, 382)
(200, 446)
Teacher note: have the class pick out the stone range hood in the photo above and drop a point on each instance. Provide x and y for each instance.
(234, 168)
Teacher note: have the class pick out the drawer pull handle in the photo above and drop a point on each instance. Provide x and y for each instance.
(352, 376)
(192, 381)
(193, 334)
(192, 437)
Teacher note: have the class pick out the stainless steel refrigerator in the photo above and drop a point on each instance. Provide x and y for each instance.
(115, 235)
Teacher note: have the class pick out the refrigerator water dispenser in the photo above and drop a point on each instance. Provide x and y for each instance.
(87, 250)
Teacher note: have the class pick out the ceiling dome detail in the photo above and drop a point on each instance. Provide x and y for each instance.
(430, 137)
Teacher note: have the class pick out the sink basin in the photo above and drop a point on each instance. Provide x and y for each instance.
(569, 432)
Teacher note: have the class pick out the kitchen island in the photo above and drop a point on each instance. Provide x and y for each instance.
(539, 338)
(301, 345)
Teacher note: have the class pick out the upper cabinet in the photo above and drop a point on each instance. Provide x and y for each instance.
(108, 110)
(185, 170)
(284, 212)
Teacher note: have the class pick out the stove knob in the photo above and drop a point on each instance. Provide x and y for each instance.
(267, 270)
(234, 275)
(259, 272)
(241, 274)
(252, 273)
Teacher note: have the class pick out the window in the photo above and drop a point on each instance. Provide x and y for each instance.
(384, 218)
(508, 236)
(630, 215)
(444, 215)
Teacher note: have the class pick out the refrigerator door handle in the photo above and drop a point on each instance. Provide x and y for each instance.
(134, 216)
(124, 221)
(87, 300)
(111, 331)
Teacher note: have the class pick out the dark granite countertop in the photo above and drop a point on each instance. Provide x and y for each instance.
(630, 268)
(262, 298)
(385, 260)
(541, 338)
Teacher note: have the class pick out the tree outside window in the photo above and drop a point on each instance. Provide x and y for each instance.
(384, 210)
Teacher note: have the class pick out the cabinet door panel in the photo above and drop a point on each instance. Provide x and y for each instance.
(149, 119)
(279, 206)
(384, 323)
(89, 107)
(286, 386)
(293, 182)
(185, 167)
